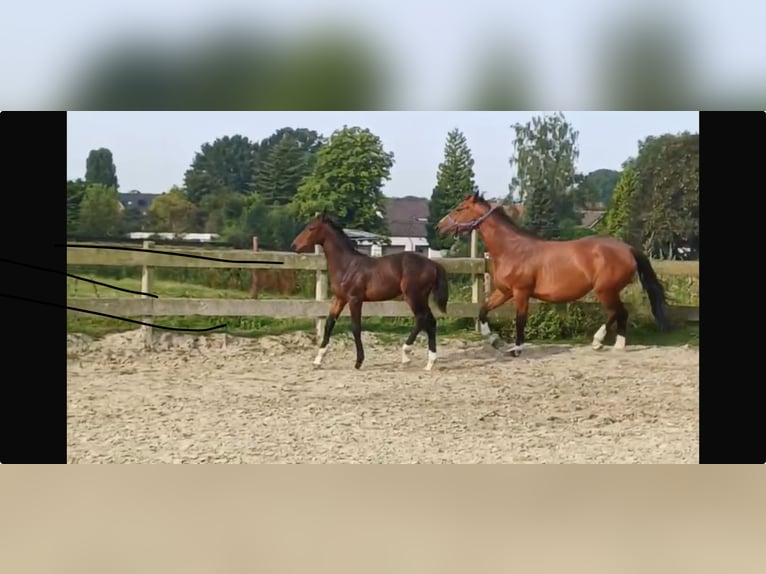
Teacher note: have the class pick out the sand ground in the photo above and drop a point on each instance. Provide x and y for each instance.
(219, 398)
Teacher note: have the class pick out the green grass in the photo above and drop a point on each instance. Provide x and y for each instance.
(75, 288)
(565, 324)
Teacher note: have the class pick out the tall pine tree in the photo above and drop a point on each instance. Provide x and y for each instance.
(540, 213)
(454, 180)
(618, 220)
(285, 159)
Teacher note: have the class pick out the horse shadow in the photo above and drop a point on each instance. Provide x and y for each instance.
(486, 354)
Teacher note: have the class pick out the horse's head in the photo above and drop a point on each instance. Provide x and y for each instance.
(466, 216)
(313, 234)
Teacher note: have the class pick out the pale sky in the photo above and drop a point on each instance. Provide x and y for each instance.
(152, 150)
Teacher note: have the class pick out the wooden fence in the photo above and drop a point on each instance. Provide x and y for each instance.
(149, 258)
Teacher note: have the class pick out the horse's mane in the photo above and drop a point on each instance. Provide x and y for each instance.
(502, 214)
(339, 233)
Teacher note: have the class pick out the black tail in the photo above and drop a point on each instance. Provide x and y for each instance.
(653, 288)
(441, 288)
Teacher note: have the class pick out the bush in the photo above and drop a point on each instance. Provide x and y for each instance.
(554, 322)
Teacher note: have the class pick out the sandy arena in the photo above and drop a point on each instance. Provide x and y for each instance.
(218, 399)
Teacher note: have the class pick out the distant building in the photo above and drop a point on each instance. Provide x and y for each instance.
(138, 200)
(406, 218)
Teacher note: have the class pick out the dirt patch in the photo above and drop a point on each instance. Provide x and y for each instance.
(220, 398)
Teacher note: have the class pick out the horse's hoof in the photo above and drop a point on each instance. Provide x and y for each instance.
(358, 365)
(597, 346)
(514, 351)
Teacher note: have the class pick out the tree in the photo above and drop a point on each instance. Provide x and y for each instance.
(100, 211)
(545, 153)
(347, 180)
(619, 220)
(75, 191)
(595, 188)
(173, 212)
(228, 164)
(132, 219)
(219, 209)
(100, 168)
(454, 180)
(284, 159)
(667, 200)
(540, 214)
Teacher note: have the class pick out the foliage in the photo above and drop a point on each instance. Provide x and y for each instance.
(540, 214)
(595, 188)
(173, 212)
(75, 190)
(347, 180)
(100, 211)
(284, 159)
(100, 168)
(225, 166)
(545, 152)
(218, 209)
(454, 180)
(667, 201)
(619, 220)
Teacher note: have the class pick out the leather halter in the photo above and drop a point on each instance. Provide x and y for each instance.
(472, 224)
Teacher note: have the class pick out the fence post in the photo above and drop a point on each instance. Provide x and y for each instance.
(487, 276)
(477, 291)
(321, 293)
(254, 273)
(147, 284)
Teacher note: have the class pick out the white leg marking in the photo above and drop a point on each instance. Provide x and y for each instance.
(320, 356)
(620, 342)
(485, 330)
(598, 338)
(516, 348)
(431, 359)
(405, 349)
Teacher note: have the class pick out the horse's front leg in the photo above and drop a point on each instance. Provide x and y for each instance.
(332, 317)
(495, 299)
(355, 308)
(521, 302)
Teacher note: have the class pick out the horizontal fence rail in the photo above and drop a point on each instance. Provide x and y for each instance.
(148, 258)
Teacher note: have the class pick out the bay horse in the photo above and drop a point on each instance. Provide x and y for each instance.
(526, 266)
(356, 277)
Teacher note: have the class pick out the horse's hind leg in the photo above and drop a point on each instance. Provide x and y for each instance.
(418, 311)
(616, 312)
(430, 327)
(621, 316)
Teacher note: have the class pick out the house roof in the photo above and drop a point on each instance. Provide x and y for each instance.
(135, 198)
(407, 216)
(359, 235)
(591, 217)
